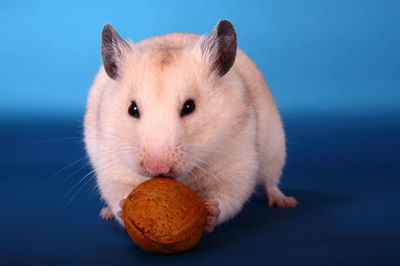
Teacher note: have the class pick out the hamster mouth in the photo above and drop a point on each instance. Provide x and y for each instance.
(164, 176)
(173, 174)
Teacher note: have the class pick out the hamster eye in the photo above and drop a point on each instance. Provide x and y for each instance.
(188, 107)
(133, 110)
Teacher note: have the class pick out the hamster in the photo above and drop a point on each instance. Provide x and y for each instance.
(189, 107)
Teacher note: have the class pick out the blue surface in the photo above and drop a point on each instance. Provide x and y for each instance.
(344, 170)
(334, 67)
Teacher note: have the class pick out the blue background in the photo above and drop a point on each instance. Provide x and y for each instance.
(333, 67)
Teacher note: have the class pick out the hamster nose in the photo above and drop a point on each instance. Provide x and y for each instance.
(157, 167)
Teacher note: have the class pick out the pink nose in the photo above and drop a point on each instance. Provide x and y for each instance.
(157, 167)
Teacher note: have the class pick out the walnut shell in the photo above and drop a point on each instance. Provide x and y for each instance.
(162, 215)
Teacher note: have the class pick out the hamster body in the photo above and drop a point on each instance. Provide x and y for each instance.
(190, 107)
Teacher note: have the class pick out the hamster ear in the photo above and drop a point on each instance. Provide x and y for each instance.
(113, 50)
(219, 48)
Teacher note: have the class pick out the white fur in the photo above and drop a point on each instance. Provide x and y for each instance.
(233, 140)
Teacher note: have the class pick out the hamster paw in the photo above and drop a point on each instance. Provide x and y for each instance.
(106, 213)
(213, 214)
(121, 205)
(277, 199)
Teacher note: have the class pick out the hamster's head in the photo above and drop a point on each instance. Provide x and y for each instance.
(174, 103)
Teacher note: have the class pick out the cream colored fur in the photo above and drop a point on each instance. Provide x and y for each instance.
(232, 141)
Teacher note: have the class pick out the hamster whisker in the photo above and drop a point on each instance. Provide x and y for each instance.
(36, 190)
(116, 149)
(52, 140)
(77, 184)
(208, 149)
(121, 138)
(209, 174)
(76, 193)
(106, 170)
(108, 163)
(197, 173)
(211, 169)
(69, 139)
(68, 177)
(195, 156)
(195, 177)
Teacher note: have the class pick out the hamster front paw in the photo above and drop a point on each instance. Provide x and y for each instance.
(106, 213)
(121, 205)
(213, 214)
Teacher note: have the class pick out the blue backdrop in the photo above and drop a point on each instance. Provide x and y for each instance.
(320, 55)
(334, 68)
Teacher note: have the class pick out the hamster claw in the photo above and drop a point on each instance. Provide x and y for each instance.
(277, 199)
(121, 203)
(213, 214)
(106, 213)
